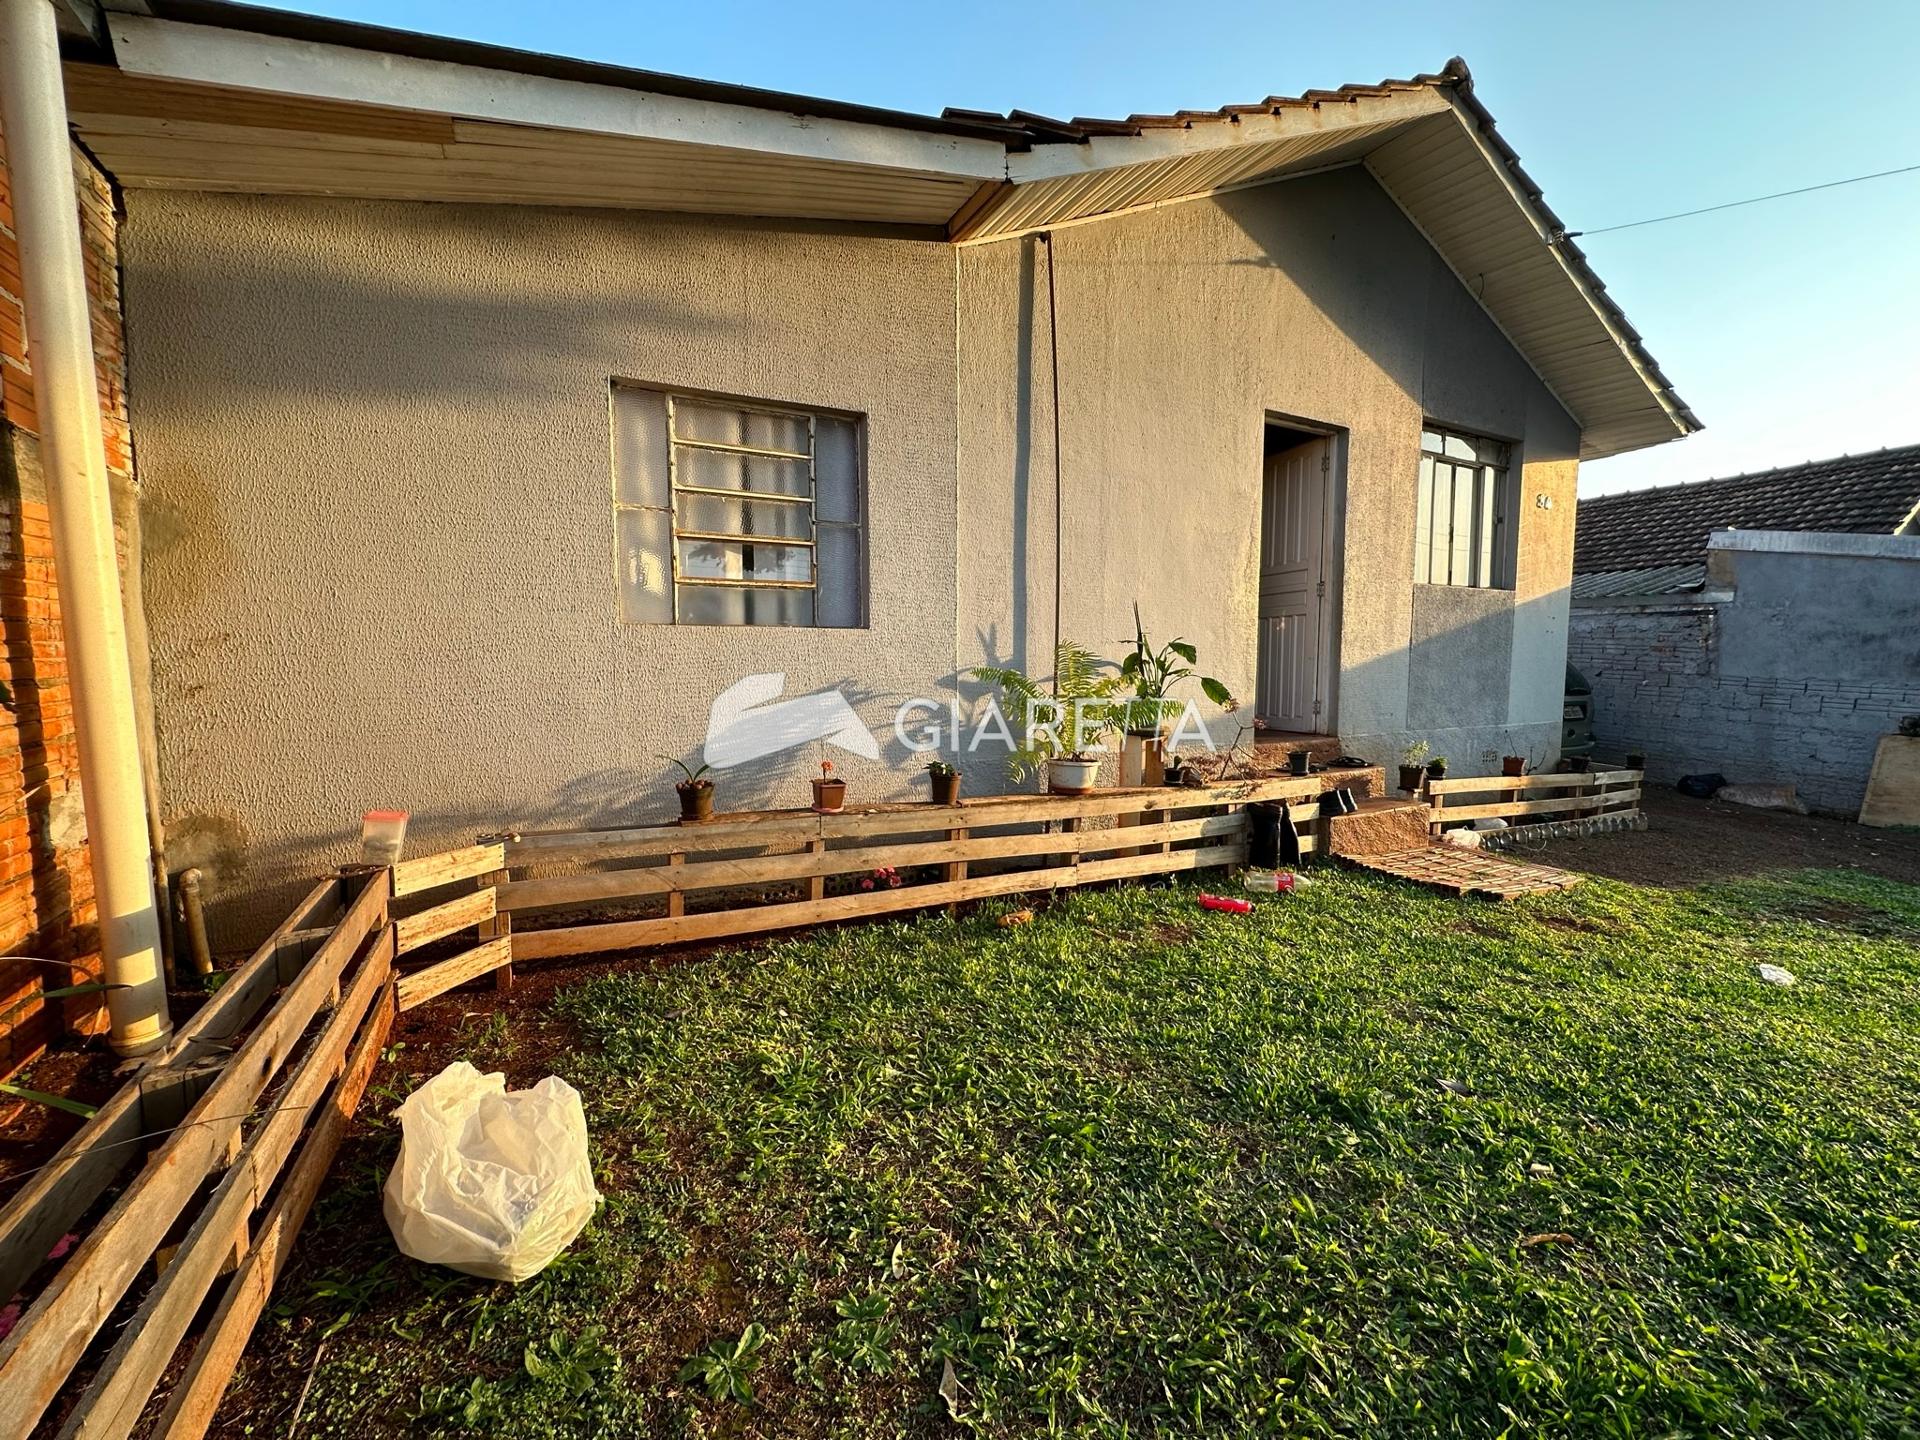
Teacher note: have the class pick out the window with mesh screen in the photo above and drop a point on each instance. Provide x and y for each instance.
(1463, 530)
(737, 512)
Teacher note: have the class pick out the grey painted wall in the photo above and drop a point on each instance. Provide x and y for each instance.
(374, 445)
(1180, 330)
(1790, 677)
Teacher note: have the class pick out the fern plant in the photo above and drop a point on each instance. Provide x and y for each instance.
(1065, 722)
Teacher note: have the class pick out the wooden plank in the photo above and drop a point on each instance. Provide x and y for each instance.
(112, 1405)
(196, 1394)
(1893, 785)
(52, 1202)
(37, 1357)
(758, 828)
(420, 986)
(462, 912)
(431, 871)
(636, 934)
(521, 895)
(1496, 783)
(1565, 804)
(497, 928)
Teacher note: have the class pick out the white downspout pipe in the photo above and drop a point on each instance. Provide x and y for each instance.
(60, 354)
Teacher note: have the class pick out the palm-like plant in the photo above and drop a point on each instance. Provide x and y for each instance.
(1153, 672)
(1080, 704)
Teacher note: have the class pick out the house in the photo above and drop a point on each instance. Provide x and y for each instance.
(1760, 626)
(447, 366)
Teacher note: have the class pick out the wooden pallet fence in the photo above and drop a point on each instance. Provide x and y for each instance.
(1523, 797)
(483, 865)
(1000, 845)
(228, 1102)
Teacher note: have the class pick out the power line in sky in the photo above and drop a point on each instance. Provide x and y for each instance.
(1736, 204)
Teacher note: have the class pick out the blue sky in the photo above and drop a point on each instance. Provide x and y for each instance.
(1792, 328)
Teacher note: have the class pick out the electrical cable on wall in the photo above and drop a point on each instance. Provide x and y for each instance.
(1059, 529)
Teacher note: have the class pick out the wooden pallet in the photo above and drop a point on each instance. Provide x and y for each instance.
(1506, 797)
(1460, 871)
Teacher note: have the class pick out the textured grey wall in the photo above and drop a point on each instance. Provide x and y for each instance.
(374, 446)
(1180, 329)
(1793, 680)
(375, 451)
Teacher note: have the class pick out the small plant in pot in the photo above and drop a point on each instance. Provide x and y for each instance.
(1152, 672)
(1437, 768)
(1413, 764)
(1064, 729)
(695, 792)
(945, 781)
(829, 794)
(1513, 764)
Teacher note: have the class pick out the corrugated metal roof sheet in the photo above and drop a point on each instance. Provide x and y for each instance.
(1873, 494)
(1621, 584)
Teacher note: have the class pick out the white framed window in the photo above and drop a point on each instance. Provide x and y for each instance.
(1463, 527)
(736, 512)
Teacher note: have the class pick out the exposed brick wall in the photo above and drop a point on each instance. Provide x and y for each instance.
(1657, 688)
(46, 886)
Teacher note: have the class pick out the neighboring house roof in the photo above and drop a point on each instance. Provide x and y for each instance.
(205, 94)
(1654, 541)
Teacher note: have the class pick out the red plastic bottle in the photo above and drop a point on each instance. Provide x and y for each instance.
(1227, 903)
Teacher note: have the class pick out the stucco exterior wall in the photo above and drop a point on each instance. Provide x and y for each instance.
(379, 535)
(375, 443)
(1180, 330)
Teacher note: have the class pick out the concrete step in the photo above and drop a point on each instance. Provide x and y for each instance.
(1379, 827)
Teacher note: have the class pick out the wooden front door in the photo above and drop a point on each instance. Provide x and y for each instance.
(1294, 645)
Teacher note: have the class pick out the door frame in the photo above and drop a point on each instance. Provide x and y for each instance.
(1333, 529)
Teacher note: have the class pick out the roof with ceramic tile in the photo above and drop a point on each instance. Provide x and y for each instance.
(1661, 533)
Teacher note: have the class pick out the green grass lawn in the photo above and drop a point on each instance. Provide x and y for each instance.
(1367, 1162)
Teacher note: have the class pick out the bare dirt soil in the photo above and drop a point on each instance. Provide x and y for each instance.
(1701, 842)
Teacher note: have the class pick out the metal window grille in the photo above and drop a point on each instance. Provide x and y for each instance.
(736, 512)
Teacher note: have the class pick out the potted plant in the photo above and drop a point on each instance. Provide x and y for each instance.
(1152, 673)
(1174, 772)
(695, 792)
(829, 794)
(1437, 768)
(1513, 764)
(1080, 711)
(945, 781)
(1413, 764)
(1579, 764)
(1299, 762)
(1636, 760)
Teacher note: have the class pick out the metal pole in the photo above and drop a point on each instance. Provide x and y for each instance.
(60, 355)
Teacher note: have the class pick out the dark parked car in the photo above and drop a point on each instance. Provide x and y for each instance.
(1576, 716)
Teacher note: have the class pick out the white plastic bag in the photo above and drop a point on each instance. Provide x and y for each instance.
(490, 1181)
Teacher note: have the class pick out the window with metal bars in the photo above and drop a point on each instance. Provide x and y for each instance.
(735, 512)
(1463, 528)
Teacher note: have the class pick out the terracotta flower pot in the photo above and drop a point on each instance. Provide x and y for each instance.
(1513, 765)
(829, 796)
(1067, 776)
(696, 802)
(946, 788)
